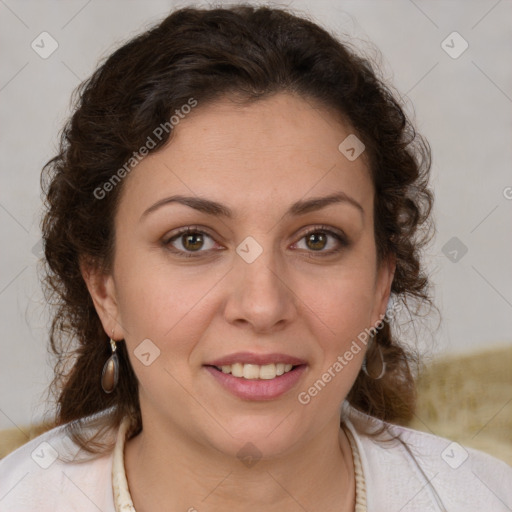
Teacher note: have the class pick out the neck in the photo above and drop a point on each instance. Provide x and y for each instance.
(175, 472)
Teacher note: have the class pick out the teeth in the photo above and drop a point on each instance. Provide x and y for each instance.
(267, 371)
(237, 370)
(255, 371)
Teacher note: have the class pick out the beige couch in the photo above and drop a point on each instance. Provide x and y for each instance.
(469, 399)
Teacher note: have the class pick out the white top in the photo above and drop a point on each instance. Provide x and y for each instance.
(414, 472)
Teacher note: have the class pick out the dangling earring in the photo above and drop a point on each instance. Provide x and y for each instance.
(110, 373)
(383, 363)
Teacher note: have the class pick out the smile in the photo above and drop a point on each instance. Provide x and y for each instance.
(255, 371)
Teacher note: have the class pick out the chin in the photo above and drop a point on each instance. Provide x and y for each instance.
(259, 436)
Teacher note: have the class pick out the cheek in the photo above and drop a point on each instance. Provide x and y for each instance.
(163, 302)
(170, 307)
(341, 303)
(345, 311)
(341, 312)
(344, 298)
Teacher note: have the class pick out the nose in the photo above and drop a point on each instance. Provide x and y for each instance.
(260, 294)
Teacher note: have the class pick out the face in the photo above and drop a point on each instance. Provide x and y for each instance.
(264, 275)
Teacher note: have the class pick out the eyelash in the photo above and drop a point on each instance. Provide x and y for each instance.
(197, 230)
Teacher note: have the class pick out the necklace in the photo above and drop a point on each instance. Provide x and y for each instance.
(359, 475)
(123, 500)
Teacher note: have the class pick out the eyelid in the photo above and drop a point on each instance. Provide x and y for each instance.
(183, 231)
(326, 229)
(186, 229)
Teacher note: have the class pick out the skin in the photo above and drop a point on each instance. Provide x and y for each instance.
(257, 160)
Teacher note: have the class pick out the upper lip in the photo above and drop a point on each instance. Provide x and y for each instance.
(259, 359)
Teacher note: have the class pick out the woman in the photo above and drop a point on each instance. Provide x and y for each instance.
(236, 199)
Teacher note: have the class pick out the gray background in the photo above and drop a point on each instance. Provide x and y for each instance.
(462, 105)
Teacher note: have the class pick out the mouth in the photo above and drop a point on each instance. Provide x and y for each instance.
(257, 377)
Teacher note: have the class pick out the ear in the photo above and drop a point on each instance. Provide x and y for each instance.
(102, 289)
(384, 280)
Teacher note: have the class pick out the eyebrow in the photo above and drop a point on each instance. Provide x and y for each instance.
(218, 209)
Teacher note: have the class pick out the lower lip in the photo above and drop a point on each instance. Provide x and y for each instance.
(258, 389)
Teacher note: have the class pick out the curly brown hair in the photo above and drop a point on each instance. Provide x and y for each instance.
(250, 53)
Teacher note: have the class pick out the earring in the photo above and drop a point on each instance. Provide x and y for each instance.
(383, 363)
(110, 373)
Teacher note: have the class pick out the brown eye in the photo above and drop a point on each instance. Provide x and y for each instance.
(322, 241)
(316, 241)
(192, 242)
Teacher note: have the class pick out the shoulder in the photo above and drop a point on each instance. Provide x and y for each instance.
(52, 473)
(419, 471)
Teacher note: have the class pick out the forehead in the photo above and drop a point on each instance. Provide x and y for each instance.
(264, 154)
